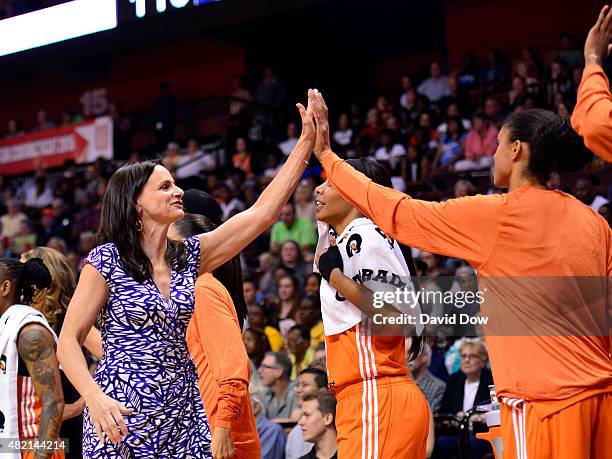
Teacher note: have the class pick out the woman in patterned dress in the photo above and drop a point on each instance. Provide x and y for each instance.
(143, 401)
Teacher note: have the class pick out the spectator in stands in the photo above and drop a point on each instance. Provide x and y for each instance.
(290, 227)
(164, 108)
(451, 147)
(406, 84)
(436, 86)
(452, 111)
(415, 169)
(309, 381)
(563, 111)
(465, 390)
(368, 136)
(38, 192)
(492, 109)
(11, 221)
(309, 316)
(279, 395)
(270, 91)
(342, 137)
(432, 387)
(480, 144)
(228, 202)
(517, 96)
(194, 162)
(287, 303)
(464, 187)
(569, 54)
(457, 96)
(494, 70)
(256, 344)
(241, 97)
(242, 158)
(391, 154)
(318, 423)
(291, 257)
(172, 156)
(305, 207)
(270, 434)
(59, 244)
(287, 146)
(558, 83)
(299, 349)
(410, 112)
(25, 239)
(257, 320)
(586, 191)
(48, 229)
(42, 121)
(312, 286)
(13, 129)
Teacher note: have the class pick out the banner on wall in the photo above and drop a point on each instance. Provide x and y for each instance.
(82, 142)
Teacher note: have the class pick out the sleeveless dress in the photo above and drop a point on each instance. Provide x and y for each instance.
(146, 364)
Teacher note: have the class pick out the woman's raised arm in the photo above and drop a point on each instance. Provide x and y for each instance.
(231, 237)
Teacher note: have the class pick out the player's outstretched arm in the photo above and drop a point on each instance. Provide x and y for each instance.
(592, 116)
(460, 228)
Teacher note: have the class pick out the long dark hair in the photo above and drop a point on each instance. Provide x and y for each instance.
(119, 219)
(27, 278)
(229, 273)
(554, 145)
(376, 172)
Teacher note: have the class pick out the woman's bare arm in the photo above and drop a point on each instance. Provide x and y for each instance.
(231, 237)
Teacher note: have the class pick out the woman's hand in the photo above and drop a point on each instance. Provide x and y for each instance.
(222, 444)
(597, 44)
(106, 416)
(308, 126)
(316, 103)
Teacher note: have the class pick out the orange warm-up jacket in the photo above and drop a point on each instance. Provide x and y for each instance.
(592, 117)
(216, 346)
(517, 242)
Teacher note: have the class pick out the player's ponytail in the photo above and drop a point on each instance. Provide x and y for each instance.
(28, 279)
(554, 145)
(379, 174)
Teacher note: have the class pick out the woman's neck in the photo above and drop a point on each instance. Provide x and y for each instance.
(154, 243)
(341, 224)
(519, 180)
(474, 377)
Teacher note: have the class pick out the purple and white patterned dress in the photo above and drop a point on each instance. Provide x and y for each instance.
(146, 364)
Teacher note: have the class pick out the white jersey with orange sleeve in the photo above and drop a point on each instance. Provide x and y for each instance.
(373, 260)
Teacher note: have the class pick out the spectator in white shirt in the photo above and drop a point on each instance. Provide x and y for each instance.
(288, 145)
(436, 86)
(392, 154)
(11, 222)
(586, 192)
(38, 193)
(343, 135)
(227, 201)
(194, 162)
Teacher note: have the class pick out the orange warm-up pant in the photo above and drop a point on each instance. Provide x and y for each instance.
(382, 418)
(581, 430)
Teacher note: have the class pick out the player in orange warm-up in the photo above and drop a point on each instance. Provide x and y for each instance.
(592, 117)
(214, 334)
(381, 413)
(550, 353)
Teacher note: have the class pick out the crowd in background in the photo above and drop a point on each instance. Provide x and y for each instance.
(436, 136)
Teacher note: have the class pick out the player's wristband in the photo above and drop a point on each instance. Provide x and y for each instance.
(329, 261)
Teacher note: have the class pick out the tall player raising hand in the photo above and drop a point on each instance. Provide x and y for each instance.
(549, 258)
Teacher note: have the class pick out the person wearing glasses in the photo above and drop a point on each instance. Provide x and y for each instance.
(300, 351)
(466, 389)
(279, 396)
